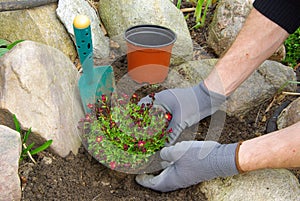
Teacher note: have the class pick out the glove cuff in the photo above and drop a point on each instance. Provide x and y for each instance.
(225, 160)
(238, 167)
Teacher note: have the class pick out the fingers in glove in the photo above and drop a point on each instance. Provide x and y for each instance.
(162, 182)
(145, 100)
(174, 153)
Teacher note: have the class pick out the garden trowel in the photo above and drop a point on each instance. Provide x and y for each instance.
(94, 81)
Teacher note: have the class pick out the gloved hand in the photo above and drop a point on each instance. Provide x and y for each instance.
(191, 162)
(187, 106)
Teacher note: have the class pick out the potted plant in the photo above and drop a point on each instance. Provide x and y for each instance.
(124, 135)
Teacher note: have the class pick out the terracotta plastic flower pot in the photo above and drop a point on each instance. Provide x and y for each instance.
(149, 50)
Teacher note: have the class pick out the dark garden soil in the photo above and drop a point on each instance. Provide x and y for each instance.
(80, 177)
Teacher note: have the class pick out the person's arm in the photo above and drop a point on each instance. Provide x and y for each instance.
(280, 149)
(258, 40)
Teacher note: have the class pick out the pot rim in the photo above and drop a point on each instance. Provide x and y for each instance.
(152, 29)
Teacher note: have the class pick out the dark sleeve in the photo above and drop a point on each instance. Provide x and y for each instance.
(285, 13)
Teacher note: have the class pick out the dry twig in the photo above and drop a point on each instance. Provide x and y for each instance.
(187, 10)
(291, 93)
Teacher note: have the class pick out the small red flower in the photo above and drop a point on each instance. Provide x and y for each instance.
(100, 110)
(99, 138)
(134, 95)
(112, 124)
(168, 116)
(103, 98)
(91, 106)
(152, 95)
(170, 130)
(141, 143)
(125, 147)
(112, 165)
(139, 123)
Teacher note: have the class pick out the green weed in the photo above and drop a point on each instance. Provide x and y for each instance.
(27, 149)
(5, 45)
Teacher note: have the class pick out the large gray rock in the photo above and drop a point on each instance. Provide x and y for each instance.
(38, 24)
(262, 185)
(10, 150)
(118, 15)
(289, 115)
(228, 20)
(259, 87)
(38, 84)
(68, 9)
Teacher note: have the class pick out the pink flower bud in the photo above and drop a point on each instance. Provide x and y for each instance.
(112, 165)
(141, 143)
(91, 106)
(87, 117)
(99, 139)
(125, 95)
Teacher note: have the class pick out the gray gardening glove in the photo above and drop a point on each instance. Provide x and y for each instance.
(187, 106)
(191, 162)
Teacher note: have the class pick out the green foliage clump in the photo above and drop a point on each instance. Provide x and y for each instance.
(126, 134)
(292, 45)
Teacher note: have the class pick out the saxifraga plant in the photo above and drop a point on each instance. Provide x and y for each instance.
(126, 134)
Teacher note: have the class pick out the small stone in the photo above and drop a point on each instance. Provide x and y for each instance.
(105, 183)
(47, 160)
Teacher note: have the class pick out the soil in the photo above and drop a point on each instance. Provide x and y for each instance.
(81, 177)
